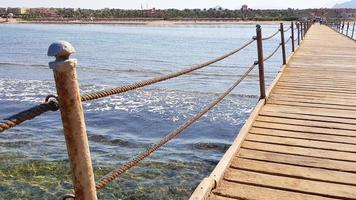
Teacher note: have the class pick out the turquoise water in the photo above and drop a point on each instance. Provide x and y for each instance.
(33, 157)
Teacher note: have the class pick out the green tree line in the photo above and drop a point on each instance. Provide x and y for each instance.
(255, 14)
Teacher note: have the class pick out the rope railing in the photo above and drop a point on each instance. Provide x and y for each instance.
(343, 28)
(29, 114)
(287, 29)
(52, 106)
(272, 54)
(271, 36)
(128, 165)
(122, 89)
(67, 96)
(103, 182)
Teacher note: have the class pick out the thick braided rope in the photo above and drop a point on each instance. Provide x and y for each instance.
(271, 36)
(128, 165)
(42, 108)
(122, 89)
(28, 115)
(272, 54)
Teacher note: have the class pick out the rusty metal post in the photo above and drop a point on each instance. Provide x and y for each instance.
(292, 29)
(283, 45)
(305, 29)
(301, 31)
(70, 105)
(260, 62)
(337, 26)
(298, 29)
(347, 28)
(353, 31)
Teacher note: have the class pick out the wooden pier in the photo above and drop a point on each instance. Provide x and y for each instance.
(300, 143)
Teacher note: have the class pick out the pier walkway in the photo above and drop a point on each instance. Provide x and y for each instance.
(301, 142)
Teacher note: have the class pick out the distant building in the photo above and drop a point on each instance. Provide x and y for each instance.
(17, 11)
(348, 14)
(244, 7)
(45, 12)
(152, 12)
(3, 11)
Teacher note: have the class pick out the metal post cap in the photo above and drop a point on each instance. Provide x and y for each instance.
(61, 50)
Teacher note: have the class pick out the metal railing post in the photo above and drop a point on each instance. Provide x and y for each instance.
(298, 28)
(292, 29)
(260, 62)
(70, 105)
(343, 25)
(340, 27)
(353, 31)
(283, 44)
(305, 29)
(302, 31)
(347, 28)
(337, 27)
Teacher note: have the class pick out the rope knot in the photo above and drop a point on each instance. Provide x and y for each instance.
(52, 102)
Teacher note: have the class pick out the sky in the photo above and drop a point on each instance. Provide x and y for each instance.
(179, 4)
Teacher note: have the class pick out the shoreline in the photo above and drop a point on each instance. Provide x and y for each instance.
(145, 22)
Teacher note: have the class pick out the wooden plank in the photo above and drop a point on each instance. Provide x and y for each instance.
(218, 197)
(331, 190)
(317, 89)
(311, 105)
(301, 135)
(304, 129)
(302, 143)
(298, 160)
(305, 92)
(308, 117)
(244, 191)
(308, 173)
(309, 99)
(317, 153)
(314, 82)
(302, 98)
(311, 111)
(305, 122)
(301, 94)
(330, 86)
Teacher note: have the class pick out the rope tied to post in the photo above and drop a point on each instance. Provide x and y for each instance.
(50, 104)
(128, 165)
